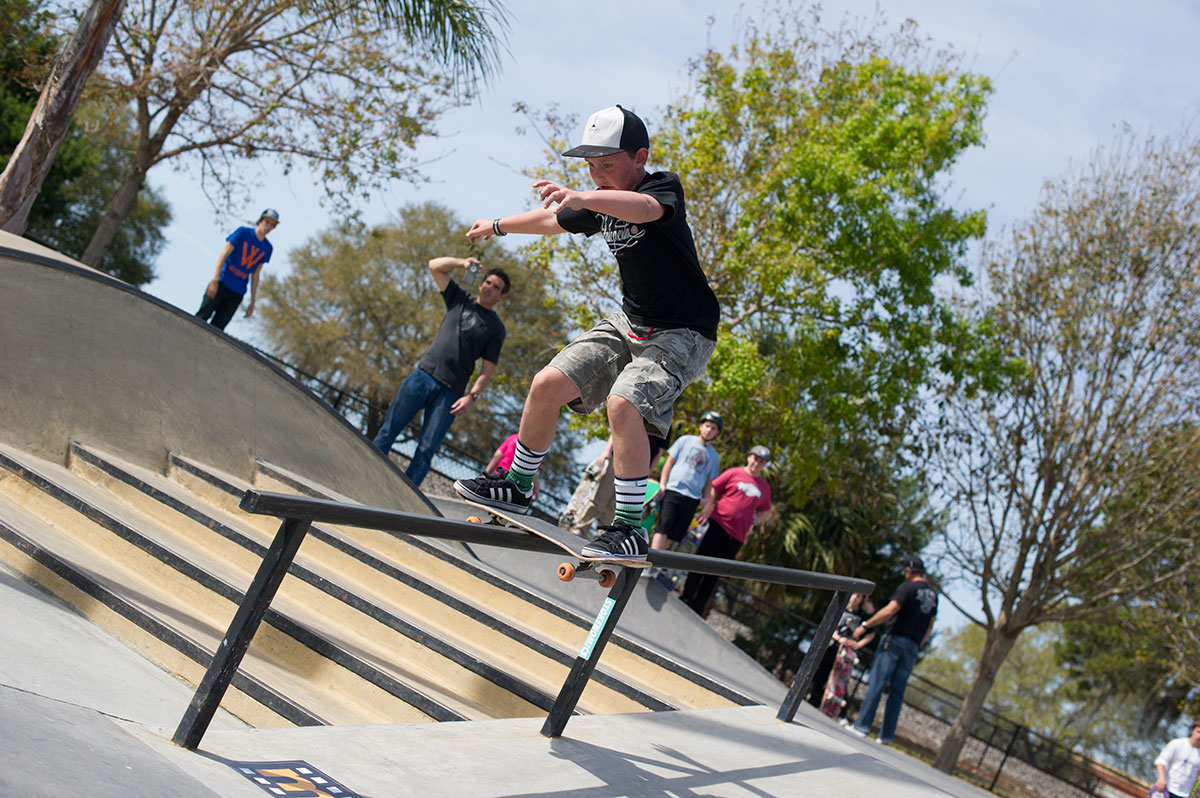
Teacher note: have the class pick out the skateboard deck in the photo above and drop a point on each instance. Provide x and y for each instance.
(569, 543)
(839, 681)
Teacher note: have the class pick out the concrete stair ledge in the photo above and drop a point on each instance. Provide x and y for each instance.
(482, 640)
(206, 606)
(494, 591)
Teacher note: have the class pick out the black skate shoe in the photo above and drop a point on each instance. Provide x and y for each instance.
(619, 540)
(495, 491)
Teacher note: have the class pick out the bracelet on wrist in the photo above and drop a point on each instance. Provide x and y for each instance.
(496, 228)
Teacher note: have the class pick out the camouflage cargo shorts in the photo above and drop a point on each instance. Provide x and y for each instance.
(646, 366)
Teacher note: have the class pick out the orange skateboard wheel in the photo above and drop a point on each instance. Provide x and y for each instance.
(608, 578)
(566, 572)
(474, 519)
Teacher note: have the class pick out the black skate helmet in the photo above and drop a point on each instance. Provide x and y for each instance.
(714, 418)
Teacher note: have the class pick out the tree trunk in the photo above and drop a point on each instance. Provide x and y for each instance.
(119, 208)
(995, 651)
(51, 118)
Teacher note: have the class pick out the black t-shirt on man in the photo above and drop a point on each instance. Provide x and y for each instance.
(661, 278)
(918, 604)
(469, 331)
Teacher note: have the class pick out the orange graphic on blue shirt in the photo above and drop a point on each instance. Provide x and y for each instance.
(250, 258)
(248, 255)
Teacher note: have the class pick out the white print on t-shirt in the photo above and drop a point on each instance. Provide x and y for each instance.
(751, 489)
(927, 598)
(620, 234)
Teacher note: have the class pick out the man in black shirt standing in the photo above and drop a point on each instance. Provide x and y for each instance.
(909, 614)
(641, 357)
(470, 330)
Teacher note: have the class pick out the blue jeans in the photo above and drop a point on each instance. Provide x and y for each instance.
(894, 663)
(418, 391)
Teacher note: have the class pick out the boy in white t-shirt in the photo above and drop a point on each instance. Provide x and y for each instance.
(1179, 764)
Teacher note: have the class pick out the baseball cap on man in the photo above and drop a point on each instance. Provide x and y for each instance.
(912, 562)
(609, 131)
(761, 451)
(269, 213)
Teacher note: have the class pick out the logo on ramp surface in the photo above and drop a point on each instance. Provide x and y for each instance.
(294, 779)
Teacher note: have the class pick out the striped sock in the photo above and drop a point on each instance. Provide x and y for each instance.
(631, 496)
(525, 465)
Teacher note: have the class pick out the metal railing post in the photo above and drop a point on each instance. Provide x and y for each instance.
(1007, 751)
(812, 658)
(589, 655)
(241, 631)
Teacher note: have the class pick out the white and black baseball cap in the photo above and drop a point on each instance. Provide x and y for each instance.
(610, 131)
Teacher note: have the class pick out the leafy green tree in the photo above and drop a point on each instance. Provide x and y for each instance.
(292, 40)
(90, 161)
(50, 121)
(359, 309)
(1069, 705)
(1031, 689)
(331, 84)
(1144, 655)
(1076, 490)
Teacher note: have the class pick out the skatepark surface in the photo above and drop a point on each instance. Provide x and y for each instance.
(82, 714)
(86, 358)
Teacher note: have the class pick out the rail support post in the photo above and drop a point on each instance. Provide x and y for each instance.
(589, 655)
(812, 658)
(241, 631)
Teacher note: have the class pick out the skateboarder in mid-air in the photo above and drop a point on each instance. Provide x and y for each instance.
(642, 356)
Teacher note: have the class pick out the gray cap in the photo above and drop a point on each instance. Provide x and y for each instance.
(762, 451)
(269, 213)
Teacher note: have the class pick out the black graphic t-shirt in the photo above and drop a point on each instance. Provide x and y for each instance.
(468, 332)
(918, 604)
(661, 278)
(850, 620)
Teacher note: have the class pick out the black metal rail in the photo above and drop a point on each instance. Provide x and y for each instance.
(299, 512)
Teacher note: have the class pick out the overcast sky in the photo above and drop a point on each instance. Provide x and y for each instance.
(1066, 76)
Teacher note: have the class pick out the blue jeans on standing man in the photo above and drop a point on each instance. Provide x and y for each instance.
(894, 663)
(419, 391)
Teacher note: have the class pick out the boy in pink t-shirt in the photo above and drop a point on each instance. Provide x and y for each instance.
(503, 456)
(742, 497)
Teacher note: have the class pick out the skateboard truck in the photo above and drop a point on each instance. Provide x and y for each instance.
(606, 576)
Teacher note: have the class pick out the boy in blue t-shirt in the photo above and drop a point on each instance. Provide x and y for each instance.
(687, 477)
(241, 262)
